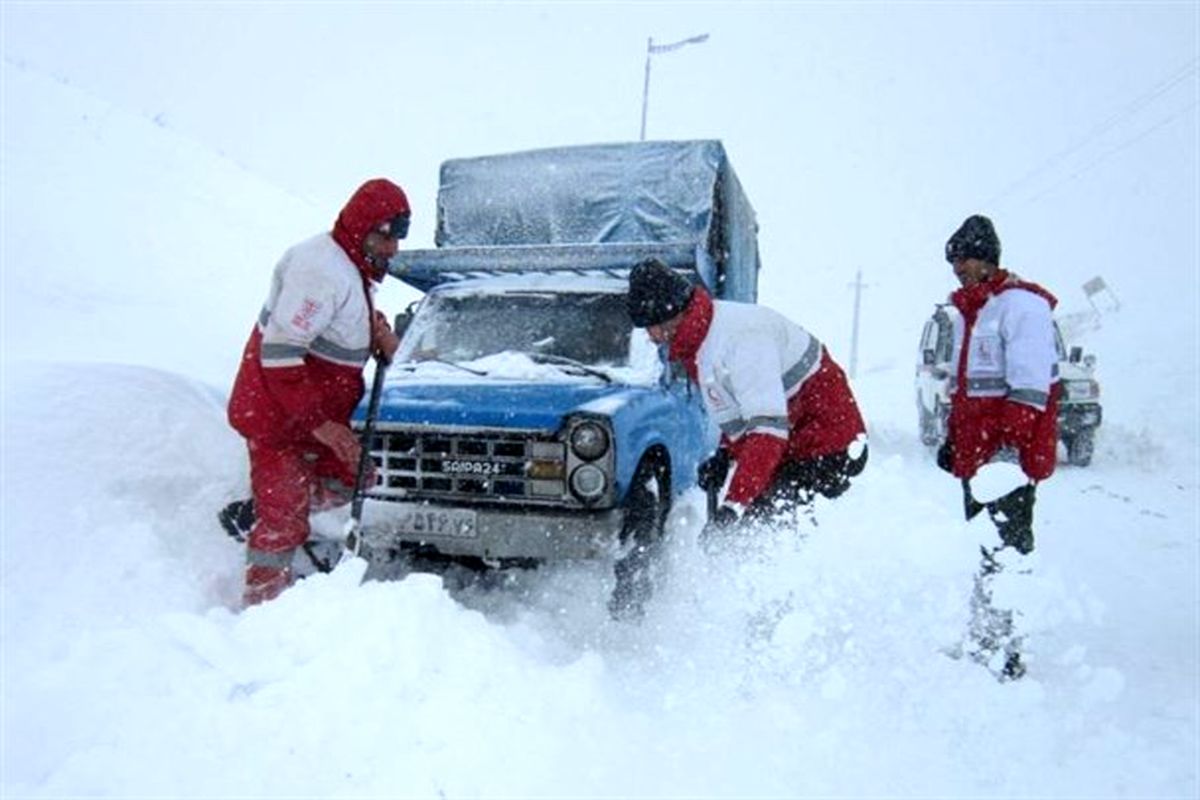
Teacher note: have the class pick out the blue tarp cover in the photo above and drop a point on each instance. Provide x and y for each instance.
(681, 193)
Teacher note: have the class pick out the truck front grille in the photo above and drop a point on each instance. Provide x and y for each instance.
(500, 467)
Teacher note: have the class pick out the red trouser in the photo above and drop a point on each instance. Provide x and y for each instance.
(288, 482)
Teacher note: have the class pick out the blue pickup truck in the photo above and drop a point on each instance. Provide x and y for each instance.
(524, 418)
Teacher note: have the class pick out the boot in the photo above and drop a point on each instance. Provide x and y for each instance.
(1014, 667)
(633, 589)
(1012, 515)
(265, 583)
(237, 518)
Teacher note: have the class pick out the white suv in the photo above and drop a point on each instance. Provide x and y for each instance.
(1079, 411)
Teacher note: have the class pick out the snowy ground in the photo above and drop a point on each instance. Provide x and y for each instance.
(807, 665)
(810, 664)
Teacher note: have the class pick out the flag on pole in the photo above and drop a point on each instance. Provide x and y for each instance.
(666, 48)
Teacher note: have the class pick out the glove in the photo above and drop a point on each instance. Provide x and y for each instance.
(384, 342)
(945, 456)
(1017, 423)
(719, 532)
(342, 441)
(724, 517)
(712, 471)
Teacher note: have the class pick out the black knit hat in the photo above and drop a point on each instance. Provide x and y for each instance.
(975, 238)
(656, 293)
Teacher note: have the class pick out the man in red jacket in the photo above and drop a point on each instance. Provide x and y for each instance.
(1004, 406)
(789, 422)
(1005, 398)
(301, 378)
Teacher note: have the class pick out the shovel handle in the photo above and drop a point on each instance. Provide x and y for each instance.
(353, 539)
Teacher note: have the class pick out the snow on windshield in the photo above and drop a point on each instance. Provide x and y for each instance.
(507, 333)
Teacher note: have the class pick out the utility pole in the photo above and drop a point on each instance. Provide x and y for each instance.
(858, 287)
(651, 49)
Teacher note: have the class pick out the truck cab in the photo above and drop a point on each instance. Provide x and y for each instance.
(524, 418)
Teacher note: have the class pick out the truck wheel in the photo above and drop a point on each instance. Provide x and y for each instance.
(926, 425)
(933, 425)
(649, 503)
(1080, 447)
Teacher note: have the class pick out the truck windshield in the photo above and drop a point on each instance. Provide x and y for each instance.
(592, 328)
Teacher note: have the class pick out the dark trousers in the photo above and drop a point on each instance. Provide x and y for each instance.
(797, 482)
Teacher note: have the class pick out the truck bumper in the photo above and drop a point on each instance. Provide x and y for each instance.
(490, 533)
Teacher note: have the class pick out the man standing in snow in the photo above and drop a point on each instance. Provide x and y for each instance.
(301, 377)
(789, 422)
(1004, 406)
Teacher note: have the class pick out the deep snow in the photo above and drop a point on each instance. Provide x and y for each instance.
(808, 664)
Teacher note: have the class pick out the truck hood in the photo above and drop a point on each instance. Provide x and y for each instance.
(495, 405)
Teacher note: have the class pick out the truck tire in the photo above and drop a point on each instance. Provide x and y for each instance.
(927, 426)
(648, 506)
(1080, 447)
(933, 424)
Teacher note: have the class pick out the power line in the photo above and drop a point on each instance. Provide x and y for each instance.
(1128, 110)
(1114, 150)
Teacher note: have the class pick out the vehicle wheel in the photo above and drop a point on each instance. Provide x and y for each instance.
(649, 504)
(927, 426)
(1080, 447)
(933, 424)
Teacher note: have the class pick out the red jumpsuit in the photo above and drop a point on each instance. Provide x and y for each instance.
(772, 388)
(301, 367)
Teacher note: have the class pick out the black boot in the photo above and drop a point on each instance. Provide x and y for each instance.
(1012, 515)
(1014, 667)
(237, 518)
(633, 589)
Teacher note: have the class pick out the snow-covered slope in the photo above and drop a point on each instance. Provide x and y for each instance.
(109, 216)
(809, 664)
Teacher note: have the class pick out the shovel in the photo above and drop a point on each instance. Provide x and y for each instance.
(353, 528)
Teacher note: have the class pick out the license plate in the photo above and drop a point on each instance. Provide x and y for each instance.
(453, 523)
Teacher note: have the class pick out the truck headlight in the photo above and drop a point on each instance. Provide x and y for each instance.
(588, 483)
(589, 441)
(1082, 390)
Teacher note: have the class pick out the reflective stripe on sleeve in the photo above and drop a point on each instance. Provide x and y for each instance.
(282, 355)
(775, 426)
(800, 370)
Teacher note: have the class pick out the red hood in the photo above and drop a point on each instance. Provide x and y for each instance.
(375, 202)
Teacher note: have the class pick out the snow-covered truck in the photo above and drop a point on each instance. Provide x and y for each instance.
(524, 418)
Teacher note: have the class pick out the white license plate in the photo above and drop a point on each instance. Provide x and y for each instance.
(453, 523)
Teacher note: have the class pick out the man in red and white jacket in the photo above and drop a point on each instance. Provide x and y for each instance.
(1006, 390)
(789, 422)
(301, 377)
(1004, 406)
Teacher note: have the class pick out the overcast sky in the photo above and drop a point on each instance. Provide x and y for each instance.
(863, 133)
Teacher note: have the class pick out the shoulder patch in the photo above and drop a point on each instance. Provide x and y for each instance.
(302, 320)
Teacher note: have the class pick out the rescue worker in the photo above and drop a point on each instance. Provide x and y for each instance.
(301, 376)
(790, 426)
(1004, 406)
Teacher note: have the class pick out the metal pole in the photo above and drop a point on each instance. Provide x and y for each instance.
(662, 48)
(646, 87)
(858, 287)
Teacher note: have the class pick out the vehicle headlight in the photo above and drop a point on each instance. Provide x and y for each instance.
(1082, 390)
(588, 483)
(589, 441)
